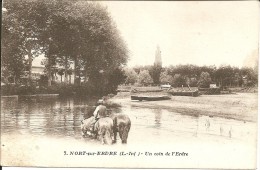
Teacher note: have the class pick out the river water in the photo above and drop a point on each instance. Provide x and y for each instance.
(152, 129)
(62, 118)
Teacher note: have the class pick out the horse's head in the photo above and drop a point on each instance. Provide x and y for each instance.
(87, 126)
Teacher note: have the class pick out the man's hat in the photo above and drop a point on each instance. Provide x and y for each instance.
(100, 101)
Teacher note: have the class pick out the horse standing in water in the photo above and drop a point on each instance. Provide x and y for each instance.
(102, 129)
(122, 125)
(100, 124)
(107, 127)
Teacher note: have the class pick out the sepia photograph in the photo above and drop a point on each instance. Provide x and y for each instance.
(129, 84)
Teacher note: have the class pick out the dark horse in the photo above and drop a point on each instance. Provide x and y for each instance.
(122, 125)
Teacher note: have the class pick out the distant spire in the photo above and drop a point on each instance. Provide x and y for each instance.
(158, 58)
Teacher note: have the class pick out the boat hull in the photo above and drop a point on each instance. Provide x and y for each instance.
(150, 98)
(185, 93)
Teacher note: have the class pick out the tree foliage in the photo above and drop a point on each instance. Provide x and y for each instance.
(204, 80)
(144, 78)
(155, 72)
(178, 80)
(224, 75)
(166, 78)
(64, 31)
(131, 76)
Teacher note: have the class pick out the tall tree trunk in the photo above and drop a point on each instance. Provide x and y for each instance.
(76, 71)
(49, 71)
(55, 75)
(52, 76)
(30, 64)
(66, 70)
(49, 64)
(86, 73)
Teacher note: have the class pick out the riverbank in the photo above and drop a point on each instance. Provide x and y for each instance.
(241, 106)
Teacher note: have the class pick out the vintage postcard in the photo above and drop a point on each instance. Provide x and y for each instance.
(129, 84)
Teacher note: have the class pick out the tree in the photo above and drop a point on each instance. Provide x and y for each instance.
(178, 80)
(193, 82)
(165, 78)
(12, 55)
(61, 73)
(12, 61)
(69, 73)
(21, 21)
(65, 63)
(115, 78)
(250, 76)
(155, 72)
(224, 75)
(131, 76)
(144, 78)
(65, 31)
(204, 80)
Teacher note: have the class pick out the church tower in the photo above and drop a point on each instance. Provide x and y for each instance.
(158, 58)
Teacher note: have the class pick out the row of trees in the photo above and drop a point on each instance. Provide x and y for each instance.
(193, 76)
(74, 35)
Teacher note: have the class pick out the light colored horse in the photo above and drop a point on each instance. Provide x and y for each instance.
(102, 129)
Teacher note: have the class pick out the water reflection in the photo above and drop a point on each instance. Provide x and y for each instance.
(157, 116)
(59, 117)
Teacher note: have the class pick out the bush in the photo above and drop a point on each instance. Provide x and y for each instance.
(8, 89)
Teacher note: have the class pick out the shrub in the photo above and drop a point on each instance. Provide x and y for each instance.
(8, 89)
(26, 90)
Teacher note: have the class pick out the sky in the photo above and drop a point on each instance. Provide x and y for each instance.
(189, 32)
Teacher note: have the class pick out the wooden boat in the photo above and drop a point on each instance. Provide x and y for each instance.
(185, 93)
(150, 98)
